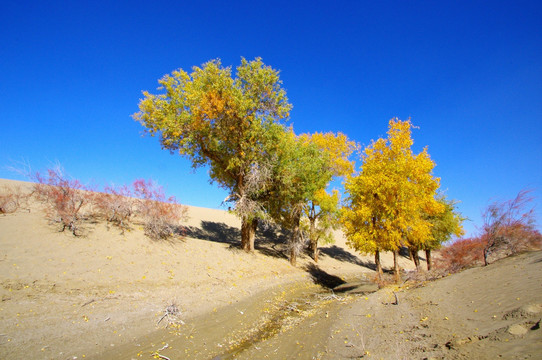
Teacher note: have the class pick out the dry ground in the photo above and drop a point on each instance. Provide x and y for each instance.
(64, 296)
(101, 296)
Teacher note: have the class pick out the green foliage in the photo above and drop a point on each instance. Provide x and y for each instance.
(297, 174)
(219, 121)
(322, 216)
(214, 119)
(322, 211)
(445, 224)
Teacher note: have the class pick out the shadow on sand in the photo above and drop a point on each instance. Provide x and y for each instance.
(270, 240)
(322, 278)
(340, 254)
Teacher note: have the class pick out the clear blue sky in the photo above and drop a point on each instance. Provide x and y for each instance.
(468, 73)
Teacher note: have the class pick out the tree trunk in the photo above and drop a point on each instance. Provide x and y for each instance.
(248, 234)
(378, 264)
(411, 254)
(315, 251)
(294, 239)
(428, 259)
(313, 240)
(416, 259)
(293, 257)
(396, 266)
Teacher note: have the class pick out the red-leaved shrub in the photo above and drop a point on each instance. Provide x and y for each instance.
(461, 254)
(509, 228)
(160, 214)
(64, 199)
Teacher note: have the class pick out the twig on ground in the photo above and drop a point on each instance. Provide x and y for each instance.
(396, 302)
(88, 302)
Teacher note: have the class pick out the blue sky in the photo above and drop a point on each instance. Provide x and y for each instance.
(468, 74)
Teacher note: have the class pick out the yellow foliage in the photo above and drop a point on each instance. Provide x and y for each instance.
(338, 148)
(390, 194)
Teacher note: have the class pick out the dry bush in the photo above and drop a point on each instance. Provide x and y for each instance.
(7, 203)
(12, 198)
(160, 214)
(461, 254)
(64, 199)
(510, 228)
(115, 205)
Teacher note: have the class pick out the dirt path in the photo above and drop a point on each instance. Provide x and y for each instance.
(482, 313)
(250, 329)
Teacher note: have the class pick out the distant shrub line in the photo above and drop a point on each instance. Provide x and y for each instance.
(70, 204)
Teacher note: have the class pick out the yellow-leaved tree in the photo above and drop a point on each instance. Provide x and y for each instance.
(388, 197)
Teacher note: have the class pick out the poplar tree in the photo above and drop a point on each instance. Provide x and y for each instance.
(323, 210)
(219, 121)
(387, 198)
(444, 225)
(298, 174)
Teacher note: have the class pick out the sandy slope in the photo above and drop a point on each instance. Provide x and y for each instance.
(65, 296)
(101, 295)
(482, 313)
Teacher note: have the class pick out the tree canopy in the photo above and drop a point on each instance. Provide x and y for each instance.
(444, 226)
(219, 121)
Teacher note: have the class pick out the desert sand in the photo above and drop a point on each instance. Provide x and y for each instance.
(104, 295)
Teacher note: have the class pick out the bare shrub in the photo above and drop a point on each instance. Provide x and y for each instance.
(12, 198)
(384, 280)
(510, 228)
(7, 203)
(115, 205)
(63, 197)
(173, 316)
(160, 214)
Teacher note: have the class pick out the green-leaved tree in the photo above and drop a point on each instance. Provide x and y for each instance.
(444, 226)
(219, 121)
(322, 211)
(298, 173)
